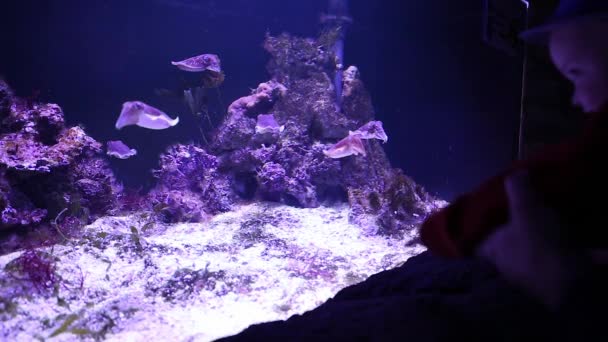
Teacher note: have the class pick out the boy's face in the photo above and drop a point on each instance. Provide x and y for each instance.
(580, 52)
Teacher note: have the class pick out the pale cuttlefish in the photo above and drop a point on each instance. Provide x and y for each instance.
(119, 150)
(266, 123)
(200, 63)
(353, 143)
(142, 115)
(372, 130)
(209, 66)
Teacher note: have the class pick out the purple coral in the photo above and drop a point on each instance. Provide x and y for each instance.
(202, 188)
(239, 126)
(272, 178)
(24, 217)
(183, 166)
(47, 167)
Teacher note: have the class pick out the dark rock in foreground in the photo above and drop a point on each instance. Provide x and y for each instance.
(426, 299)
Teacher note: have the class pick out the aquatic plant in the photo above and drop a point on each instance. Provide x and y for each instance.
(37, 269)
(212, 76)
(185, 284)
(8, 309)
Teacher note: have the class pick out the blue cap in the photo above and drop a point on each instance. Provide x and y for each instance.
(568, 12)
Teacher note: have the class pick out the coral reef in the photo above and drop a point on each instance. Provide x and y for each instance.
(190, 185)
(281, 143)
(47, 168)
(239, 126)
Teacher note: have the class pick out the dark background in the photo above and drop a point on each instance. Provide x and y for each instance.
(449, 103)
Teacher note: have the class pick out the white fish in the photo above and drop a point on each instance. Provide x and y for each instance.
(200, 63)
(266, 123)
(142, 115)
(351, 145)
(371, 130)
(119, 150)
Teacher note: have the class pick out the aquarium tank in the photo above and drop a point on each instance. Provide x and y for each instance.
(179, 170)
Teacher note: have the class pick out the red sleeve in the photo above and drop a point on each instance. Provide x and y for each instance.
(560, 174)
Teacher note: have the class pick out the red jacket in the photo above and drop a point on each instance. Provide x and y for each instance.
(571, 177)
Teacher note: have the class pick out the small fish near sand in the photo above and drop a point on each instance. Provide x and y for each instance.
(140, 114)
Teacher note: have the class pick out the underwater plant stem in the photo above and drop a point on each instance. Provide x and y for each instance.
(207, 110)
(338, 11)
(522, 109)
(200, 128)
(339, 51)
(56, 226)
(221, 102)
(371, 161)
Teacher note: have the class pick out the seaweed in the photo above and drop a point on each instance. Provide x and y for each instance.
(65, 325)
(8, 309)
(136, 240)
(36, 268)
(186, 283)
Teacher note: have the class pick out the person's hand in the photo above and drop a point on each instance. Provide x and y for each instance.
(530, 250)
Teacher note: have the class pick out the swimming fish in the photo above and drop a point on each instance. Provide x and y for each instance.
(372, 130)
(351, 145)
(119, 150)
(142, 115)
(200, 63)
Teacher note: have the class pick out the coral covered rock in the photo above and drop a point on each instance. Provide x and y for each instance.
(294, 155)
(47, 168)
(5, 100)
(298, 58)
(25, 153)
(239, 126)
(190, 186)
(96, 185)
(356, 102)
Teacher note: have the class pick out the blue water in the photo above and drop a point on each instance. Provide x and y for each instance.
(449, 103)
